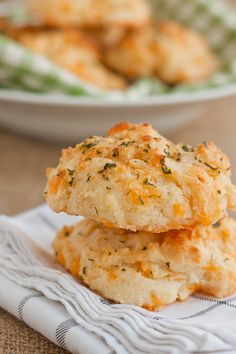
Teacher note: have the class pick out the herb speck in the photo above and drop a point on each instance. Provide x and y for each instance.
(70, 172)
(88, 178)
(166, 170)
(217, 224)
(84, 270)
(141, 200)
(127, 143)
(115, 152)
(108, 166)
(71, 182)
(89, 145)
(211, 167)
(187, 148)
(147, 183)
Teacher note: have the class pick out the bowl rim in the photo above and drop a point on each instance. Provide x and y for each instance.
(58, 99)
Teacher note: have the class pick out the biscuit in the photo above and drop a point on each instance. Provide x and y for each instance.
(93, 13)
(184, 56)
(138, 180)
(134, 56)
(172, 52)
(72, 50)
(150, 270)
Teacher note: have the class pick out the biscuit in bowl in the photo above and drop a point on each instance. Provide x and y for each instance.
(90, 13)
(172, 52)
(184, 55)
(150, 270)
(71, 49)
(138, 180)
(134, 56)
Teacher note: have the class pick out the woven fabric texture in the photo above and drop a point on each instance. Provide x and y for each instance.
(17, 338)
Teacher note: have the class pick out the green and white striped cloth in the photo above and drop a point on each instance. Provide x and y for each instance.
(20, 69)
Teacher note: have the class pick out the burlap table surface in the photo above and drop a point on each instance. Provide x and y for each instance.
(22, 178)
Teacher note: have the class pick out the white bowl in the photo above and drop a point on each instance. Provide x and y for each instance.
(67, 119)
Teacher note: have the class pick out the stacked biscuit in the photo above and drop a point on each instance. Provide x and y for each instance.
(112, 43)
(156, 226)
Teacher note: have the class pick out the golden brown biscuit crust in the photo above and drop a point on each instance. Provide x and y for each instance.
(150, 270)
(136, 179)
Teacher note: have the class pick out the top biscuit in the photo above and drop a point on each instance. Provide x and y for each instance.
(138, 180)
(91, 13)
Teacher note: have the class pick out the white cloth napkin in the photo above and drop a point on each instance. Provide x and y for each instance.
(36, 290)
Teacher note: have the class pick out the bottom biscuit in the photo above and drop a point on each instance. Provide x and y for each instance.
(150, 270)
